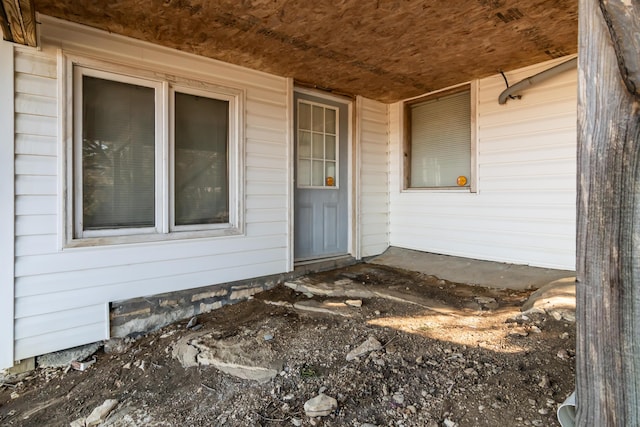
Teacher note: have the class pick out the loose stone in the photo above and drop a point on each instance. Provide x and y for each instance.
(320, 406)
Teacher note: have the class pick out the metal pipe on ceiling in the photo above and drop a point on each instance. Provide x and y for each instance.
(536, 78)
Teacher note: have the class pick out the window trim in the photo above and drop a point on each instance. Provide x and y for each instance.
(406, 139)
(70, 62)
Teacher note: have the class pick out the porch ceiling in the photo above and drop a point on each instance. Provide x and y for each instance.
(386, 49)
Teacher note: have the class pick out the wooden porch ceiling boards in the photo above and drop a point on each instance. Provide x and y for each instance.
(17, 21)
(386, 49)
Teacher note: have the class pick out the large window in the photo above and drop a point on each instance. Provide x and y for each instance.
(151, 156)
(439, 141)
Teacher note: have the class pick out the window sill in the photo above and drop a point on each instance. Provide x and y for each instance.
(151, 238)
(439, 190)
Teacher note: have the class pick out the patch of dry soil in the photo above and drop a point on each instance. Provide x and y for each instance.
(473, 361)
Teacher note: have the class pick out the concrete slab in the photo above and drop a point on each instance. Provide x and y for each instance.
(471, 271)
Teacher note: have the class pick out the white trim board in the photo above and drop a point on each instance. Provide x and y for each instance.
(7, 204)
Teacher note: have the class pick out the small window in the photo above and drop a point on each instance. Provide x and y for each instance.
(151, 157)
(317, 135)
(439, 141)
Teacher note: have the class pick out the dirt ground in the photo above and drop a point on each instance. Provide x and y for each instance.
(468, 361)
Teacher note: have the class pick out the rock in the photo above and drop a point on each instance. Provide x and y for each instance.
(544, 382)
(564, 335)
(535, 329)
(487, 302)
(354, 302)
(267, 337)
(192, 322)
(448, 423)
(398, 398)
(371, 344)
(296, 422)
(99, 414)
(80, 422)
(518, 333)
(117, 346)
(562, 354)
(320, 406)
(63, 358)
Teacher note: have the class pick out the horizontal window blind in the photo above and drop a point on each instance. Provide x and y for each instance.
(118, 155)
(441, 141)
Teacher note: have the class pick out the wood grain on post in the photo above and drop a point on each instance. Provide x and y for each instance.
(18, 21)
(608, 228)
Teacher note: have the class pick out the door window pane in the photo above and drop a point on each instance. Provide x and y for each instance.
(304, 116)
(118, 155)
(304, 144)
(201, 160)
(317, 149)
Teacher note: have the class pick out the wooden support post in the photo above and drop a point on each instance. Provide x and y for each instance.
(18, 21)
(608, 233)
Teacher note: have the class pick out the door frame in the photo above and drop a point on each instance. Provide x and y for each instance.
(351, 163)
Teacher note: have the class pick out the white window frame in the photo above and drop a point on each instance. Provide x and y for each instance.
(164, 85)
(406, 138)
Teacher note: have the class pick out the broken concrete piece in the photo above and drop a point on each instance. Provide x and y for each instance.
(320, 406)
(185, 354)
(242, 357)
(371, 344)
(354, 302)
(63, 358)
(558, 299)
(322, 307)
(99, 414)
(340, 288)
(354, 290)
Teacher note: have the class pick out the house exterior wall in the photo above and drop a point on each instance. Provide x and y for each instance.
(524, 209)
(373, 183)
(62, 293)
(6, 202)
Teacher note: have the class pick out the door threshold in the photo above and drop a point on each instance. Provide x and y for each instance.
(307, 261)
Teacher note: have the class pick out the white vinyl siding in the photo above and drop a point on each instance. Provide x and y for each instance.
(61, 294)
(7, 201)
(524, 211)
(374, 176)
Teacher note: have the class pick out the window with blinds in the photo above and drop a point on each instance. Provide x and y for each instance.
(439, 141)
(134, 140)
